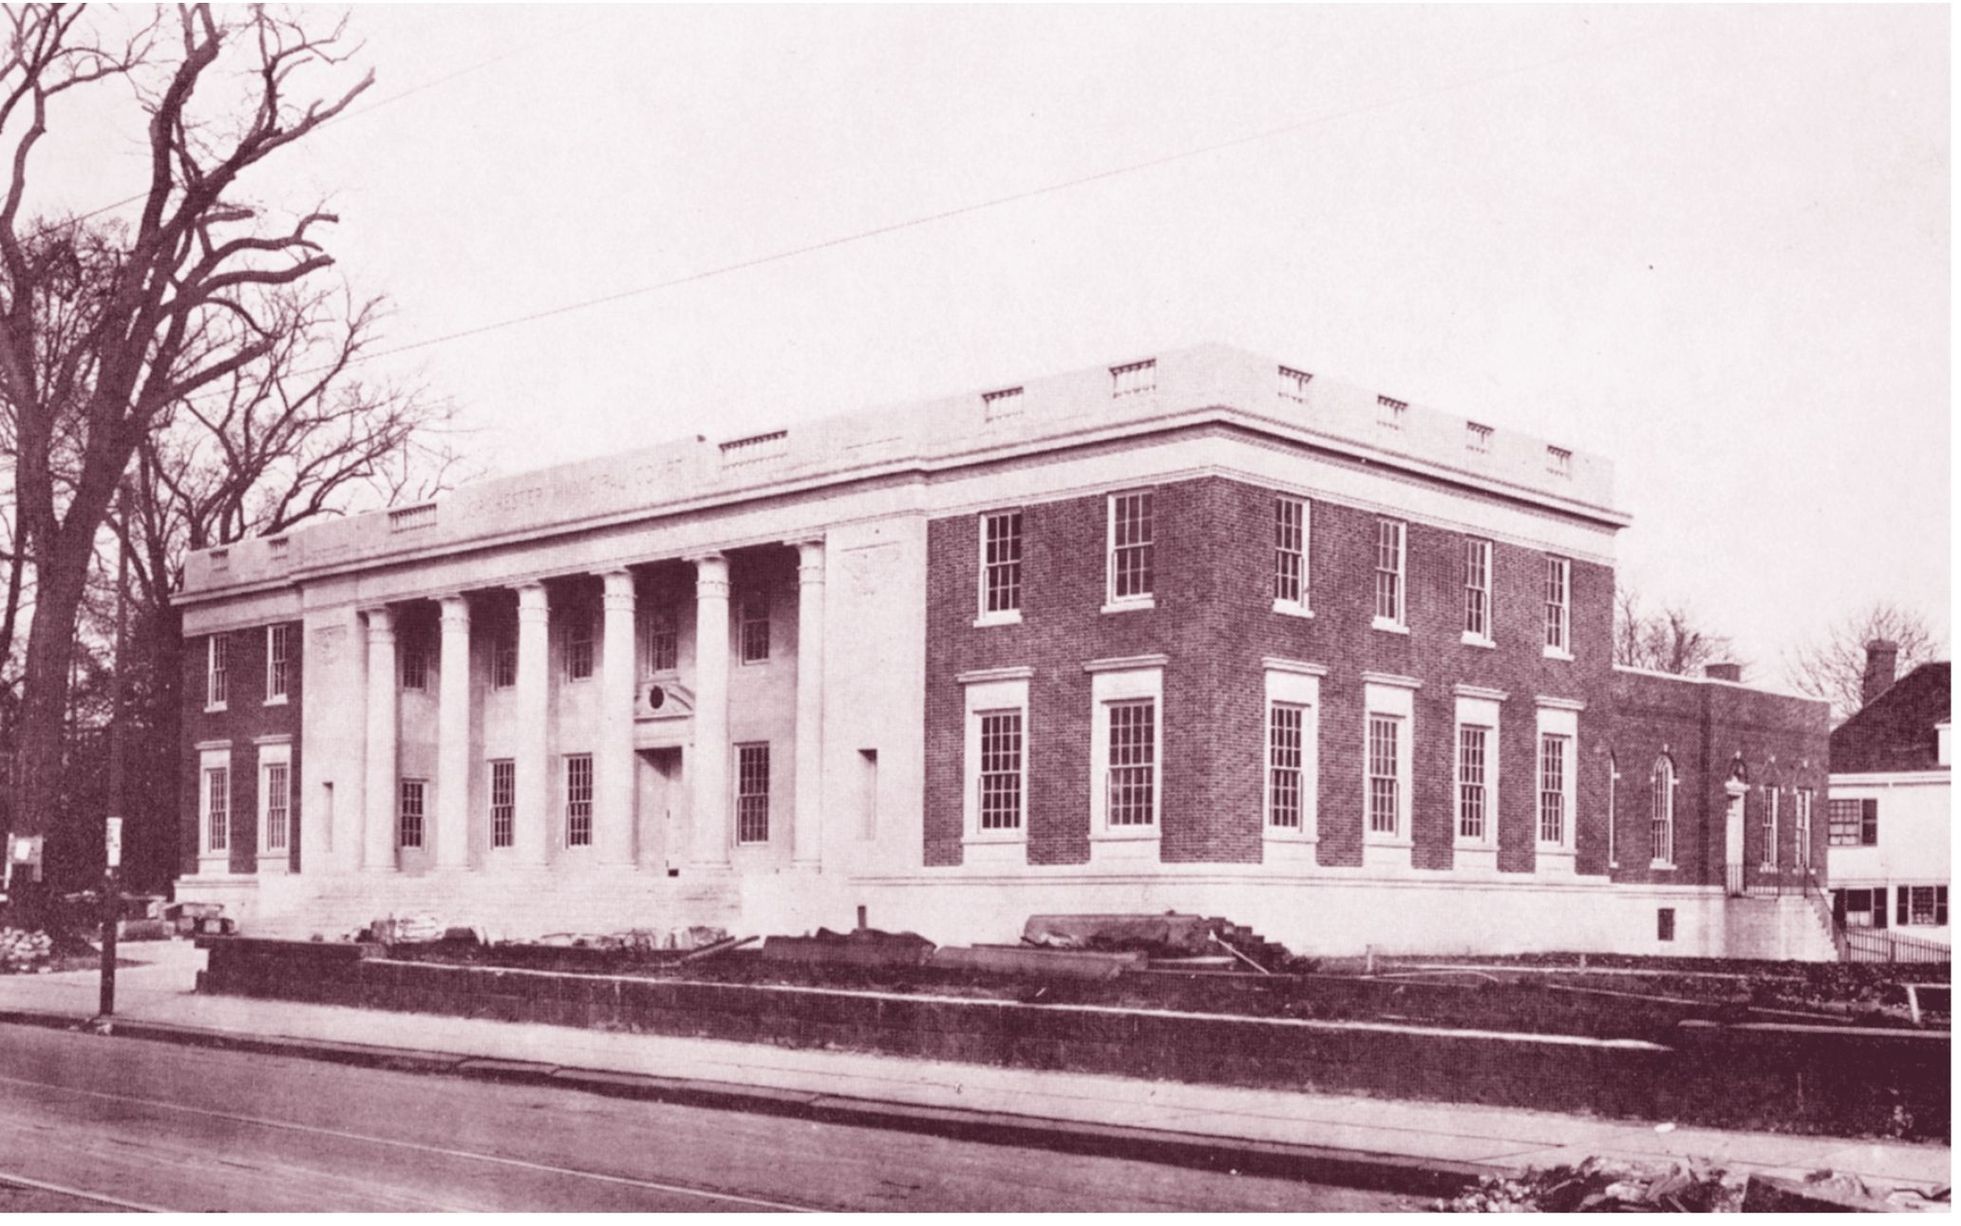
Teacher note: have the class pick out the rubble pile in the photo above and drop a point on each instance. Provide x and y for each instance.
(1602, 1185)
(23, 953)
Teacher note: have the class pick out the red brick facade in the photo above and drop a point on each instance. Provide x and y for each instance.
(1214, 621)
(247, 717)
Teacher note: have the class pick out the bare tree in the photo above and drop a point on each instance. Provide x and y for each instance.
(1666, 642)
(1833, 667)
(103, 331)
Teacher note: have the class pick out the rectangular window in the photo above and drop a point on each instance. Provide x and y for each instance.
(279, 661)
(1131, 778)
(578, 800)
(1133, 379)
(1559, 461)
(1473, 786)
(1664, 923)
(1922, 906)
(1558, 592)
(503, 802)
(1385, 780)
(217, 808)
(1477, 438)
(275, 786)
(1389, 412)
(755, 625)
(216, 686)
(1290, 551)
(1553, 782)
(408, 829)
(414, 668)
(503, 661)
(1293, 384)
(578, 647)
(1864, 908)
(1854, 823)
(1000, 563)
(1000, 770)
(752, 793)
(1477, 590)
(1769, 857)
(1389, 542)
(1130, 563)
(660, 647)
(1286, 741)
(1803, 837)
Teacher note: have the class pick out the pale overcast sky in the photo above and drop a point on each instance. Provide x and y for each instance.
(1711, 244)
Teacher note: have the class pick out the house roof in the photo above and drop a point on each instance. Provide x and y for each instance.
(1895, 731)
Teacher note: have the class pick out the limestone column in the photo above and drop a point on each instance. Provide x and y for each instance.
(378, 804)
(453, 737)
(613, 765)
(710, 766)
(531, 771)
(808, 829)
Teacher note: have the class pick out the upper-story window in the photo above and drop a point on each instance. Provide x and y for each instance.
(1130, 559)
(217, 684)
(755, 625)
(279, 661)
(1133, 379)
(1853, 823)
(414, 668)
(1559, 461)
(1559, 574)
(578, 647)
(1477, 590)
(1477, 437)
(1293, 384)
(1389, 559)
(503, 661)
(660, 649)
(1290, 553)
(1389, 411)
(1000, 575)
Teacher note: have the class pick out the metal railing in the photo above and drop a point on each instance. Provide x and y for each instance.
(1884, 945)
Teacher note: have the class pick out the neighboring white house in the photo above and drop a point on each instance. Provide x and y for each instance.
(1890, 809)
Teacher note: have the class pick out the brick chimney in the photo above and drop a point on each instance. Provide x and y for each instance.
(1880, 657)
(1723, 670)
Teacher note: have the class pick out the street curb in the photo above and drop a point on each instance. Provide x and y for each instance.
(1378, 1172)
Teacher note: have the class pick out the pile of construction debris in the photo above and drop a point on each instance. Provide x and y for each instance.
(1600, 1185)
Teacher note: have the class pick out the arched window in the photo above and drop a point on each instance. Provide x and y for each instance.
(1662, 828)
(1613, 809)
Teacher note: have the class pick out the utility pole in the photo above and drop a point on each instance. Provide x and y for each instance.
(112, 833)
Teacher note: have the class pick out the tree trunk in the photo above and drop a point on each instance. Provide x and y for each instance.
(44, 707)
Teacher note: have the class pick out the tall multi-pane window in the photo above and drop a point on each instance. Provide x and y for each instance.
(217, 684)
(1290, 551)
(217, 808)
(578, 800)
(1131, 778)
(1130, 563)
(1553, 782)
(277, 783)
(755, 625)
(503, 661)
(752, 793)
(1000, 770)
(414, 668)
(1662, 821)
(578, 646)
(1385, 782)
(1802, 850)
(503, 802)
(1559, 572)
(1473, 784)
(1389, 554)
(1613, 810)
(279, 661)
(660, 648)
(411, 812)
(1286, 745)
(1769, 858)
(1000, 563)
(1477, 589)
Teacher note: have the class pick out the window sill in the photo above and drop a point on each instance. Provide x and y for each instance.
(1661, 866)
(214, 862)
(1281, 834)
(277, 700)
(1125, 834)
(1011, 617)
(1293, 609)
(1463, 844)
(1387, 841)
(1556, 653)
(1477, 640)
(1130, 604)
(1383, 623)
(212, 708)
(1004, 838)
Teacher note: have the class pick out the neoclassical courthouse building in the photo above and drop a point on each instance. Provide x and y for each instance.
(1202, 632)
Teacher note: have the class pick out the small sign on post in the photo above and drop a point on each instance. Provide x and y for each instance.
(113, 842)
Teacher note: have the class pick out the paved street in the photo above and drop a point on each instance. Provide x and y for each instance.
(168, 1127)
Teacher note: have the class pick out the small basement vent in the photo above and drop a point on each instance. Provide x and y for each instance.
(755, 447)
(407, 519)
(1003, 403)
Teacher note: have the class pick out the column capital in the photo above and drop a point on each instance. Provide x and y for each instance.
(531, 601)
(455, 611)
(711, 575)
(381, 620)
(810, 560)
(619, 589)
